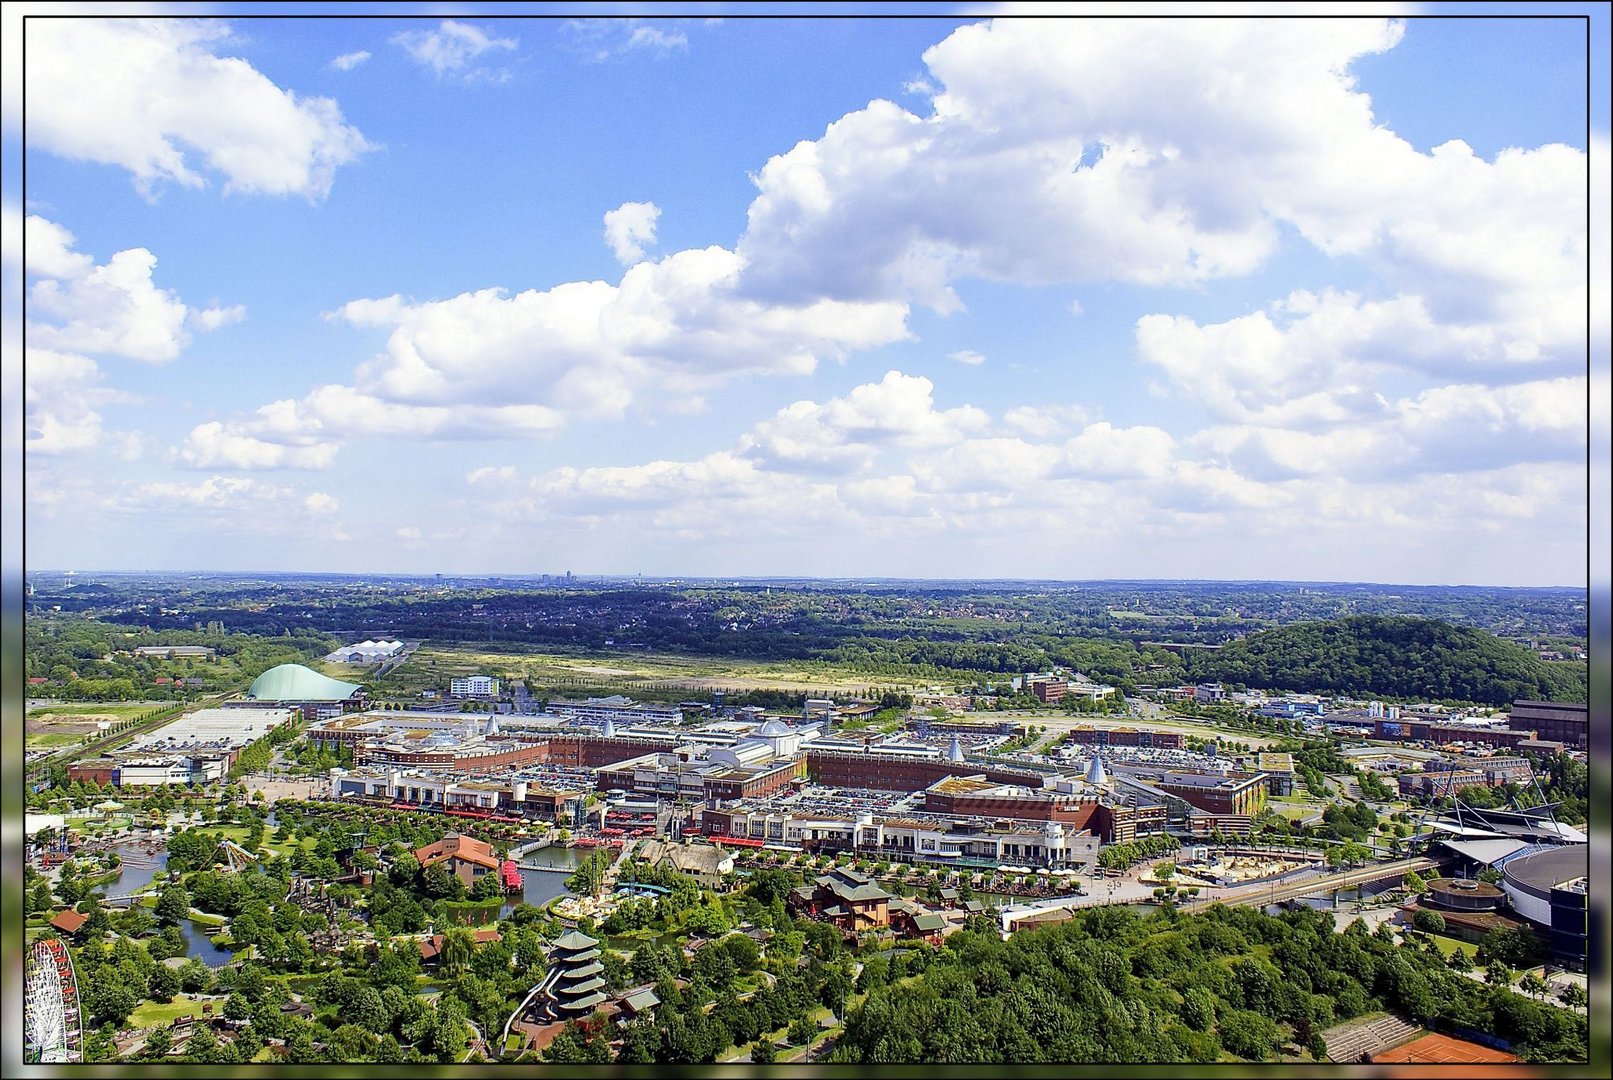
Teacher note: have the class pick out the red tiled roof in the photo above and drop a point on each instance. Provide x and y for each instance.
(430, 947)
(464, 848)
(69, 921)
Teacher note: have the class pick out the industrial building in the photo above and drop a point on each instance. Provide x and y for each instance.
(1553, 721)
(198, 748)
(1127, 736)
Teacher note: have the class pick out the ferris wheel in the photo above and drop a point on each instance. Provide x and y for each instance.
(53, 1020)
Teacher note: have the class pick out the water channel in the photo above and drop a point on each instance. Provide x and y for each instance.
(539, 886)
(140, 866)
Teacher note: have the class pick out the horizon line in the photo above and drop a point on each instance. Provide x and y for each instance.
(633, 577)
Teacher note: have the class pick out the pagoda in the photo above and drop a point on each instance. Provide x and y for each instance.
(578, 976)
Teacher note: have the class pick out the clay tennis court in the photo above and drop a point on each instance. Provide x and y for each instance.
(1441, 1050)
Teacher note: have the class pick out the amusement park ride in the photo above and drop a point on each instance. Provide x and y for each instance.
(54, 1019)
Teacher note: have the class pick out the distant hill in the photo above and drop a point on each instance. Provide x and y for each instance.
(1395, 656)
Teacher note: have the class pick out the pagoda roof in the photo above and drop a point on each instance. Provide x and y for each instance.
(573, 940)
(565, 959)
(582, 971)
(582, 989)
(583, 1004)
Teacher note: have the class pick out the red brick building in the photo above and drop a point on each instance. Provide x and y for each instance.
(889, 772)
(1552, 721)
(1050, 691)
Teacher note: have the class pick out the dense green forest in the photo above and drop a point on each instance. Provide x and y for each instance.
(1397, 657)
(88, 660)
(1110, 986)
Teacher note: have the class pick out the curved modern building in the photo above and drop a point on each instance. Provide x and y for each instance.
(317, 695)
(1549, 886)
(1463, 894)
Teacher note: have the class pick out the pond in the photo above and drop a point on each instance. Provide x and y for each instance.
(140, 866)
(202, 947)
(539, 886)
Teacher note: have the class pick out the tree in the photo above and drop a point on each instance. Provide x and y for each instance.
(352, 1043)
(39, 899)
(457, 946)
(203, 1046)
(173, 904)
(488, 887)
(708, 920)
(1429, 921)
(1249, 1035)
(1198, 1009)
(1573, 995)
(589, 877)
(764, 1052)
(1414, 883)
(1533, 985)
(641, 1043)
(162, 984)
(1498, 974)
(158, 1043)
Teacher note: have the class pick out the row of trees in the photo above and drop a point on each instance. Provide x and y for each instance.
(1121, 856)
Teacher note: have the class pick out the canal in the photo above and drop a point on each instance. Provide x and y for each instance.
(539, 886)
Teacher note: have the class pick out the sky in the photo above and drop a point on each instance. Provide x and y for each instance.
(961, 296)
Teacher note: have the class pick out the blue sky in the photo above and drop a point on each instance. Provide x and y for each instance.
(944, 297)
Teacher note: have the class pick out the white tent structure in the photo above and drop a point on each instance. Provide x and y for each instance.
(366, 652)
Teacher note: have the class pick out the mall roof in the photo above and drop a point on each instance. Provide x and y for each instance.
(293, 682)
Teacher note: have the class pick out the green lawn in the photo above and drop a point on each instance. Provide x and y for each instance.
(153, 1014)
(1448, 945)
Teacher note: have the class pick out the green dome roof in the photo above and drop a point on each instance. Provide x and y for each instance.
(293, 682)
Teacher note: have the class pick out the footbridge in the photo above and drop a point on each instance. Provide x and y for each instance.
(1275, 892)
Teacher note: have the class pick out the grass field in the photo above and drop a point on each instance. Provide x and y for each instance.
(52, 739)
(92, 710)
(154, 1014)
(433, 665)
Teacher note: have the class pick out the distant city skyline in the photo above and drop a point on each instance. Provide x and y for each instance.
(918, 299)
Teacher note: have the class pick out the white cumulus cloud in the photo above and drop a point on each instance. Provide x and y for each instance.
(630, 228)
(154, 97)
(349, 61)
(112, 308)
